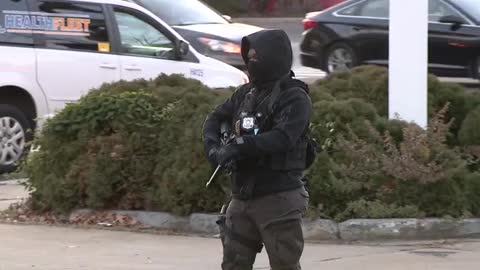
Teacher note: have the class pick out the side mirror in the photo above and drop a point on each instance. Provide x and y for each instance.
(182, 49)
(456, 21)
(228, 18)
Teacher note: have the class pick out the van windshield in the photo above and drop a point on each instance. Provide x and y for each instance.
(183, 12)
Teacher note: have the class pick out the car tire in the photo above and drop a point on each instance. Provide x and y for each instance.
(339, 57)
(15, 133)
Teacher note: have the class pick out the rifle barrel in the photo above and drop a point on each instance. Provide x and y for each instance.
(213, 176)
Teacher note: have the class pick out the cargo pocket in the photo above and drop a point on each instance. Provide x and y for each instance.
(284, 243)
(304, 199)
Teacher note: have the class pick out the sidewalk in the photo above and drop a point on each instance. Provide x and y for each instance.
(11, 192)
(55, 248)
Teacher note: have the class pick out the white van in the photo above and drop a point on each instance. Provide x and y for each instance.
(53, 51)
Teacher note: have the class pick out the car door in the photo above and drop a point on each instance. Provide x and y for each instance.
(73, 50)
(146, 48)
(449, 46)
(368, 29)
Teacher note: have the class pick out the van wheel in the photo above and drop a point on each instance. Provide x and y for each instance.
(339, 57)
(14, 134)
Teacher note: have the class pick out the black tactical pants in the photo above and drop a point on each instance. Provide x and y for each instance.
(275, 221)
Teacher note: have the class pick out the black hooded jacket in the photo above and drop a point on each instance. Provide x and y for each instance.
(265, 154)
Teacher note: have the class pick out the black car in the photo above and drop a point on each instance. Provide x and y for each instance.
(209, 32)
(356, 32)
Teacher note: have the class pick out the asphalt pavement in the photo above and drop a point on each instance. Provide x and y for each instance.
(60, 248)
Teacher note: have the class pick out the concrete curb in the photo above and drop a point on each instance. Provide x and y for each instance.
(159, 220)
(321, 229)
(204, 223)
(409, 229)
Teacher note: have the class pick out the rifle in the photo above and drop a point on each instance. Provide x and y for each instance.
(226, 137)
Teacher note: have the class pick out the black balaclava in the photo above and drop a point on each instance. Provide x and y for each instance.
(272, 58)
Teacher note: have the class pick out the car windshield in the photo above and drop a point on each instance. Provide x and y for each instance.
(472, 7)
(182, 12)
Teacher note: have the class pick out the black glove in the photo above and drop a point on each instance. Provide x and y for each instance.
(212, 156)
(227, 154)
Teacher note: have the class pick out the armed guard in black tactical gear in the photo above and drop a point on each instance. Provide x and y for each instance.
(270, 119)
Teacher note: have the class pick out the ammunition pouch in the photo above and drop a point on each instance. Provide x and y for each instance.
(295, 159)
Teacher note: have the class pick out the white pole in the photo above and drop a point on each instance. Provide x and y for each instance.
(408, 60)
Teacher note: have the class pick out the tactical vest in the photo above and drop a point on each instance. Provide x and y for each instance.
(255, 115)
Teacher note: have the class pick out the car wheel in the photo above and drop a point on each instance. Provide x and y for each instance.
(14, 134)
(340, 57)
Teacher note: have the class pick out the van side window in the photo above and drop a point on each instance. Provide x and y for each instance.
(14, 15)
(140, 38)
(74, 26)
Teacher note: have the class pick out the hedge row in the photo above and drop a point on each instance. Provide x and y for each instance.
(137, 145)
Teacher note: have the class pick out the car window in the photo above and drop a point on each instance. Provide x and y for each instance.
(141, 38)
(14, 23)
(182, 12)
(350, 10)
(438, 9)
(375, 9)
(472, 7)
(72, 26)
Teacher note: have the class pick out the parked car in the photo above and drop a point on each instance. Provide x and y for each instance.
(52, 52)
(209, 32)
(356, 32)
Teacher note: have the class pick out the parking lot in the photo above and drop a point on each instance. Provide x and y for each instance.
(49, 247)
(294, 29)
(52, 248)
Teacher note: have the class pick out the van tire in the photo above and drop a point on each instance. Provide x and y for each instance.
(9, 117)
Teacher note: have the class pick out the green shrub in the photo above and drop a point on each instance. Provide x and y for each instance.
(130, 145)
(331, 118)
(470, 132)
(378, 209)
(472, 186)
(370, 83)
(137, 145)
(375, 175)
(460, 100)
